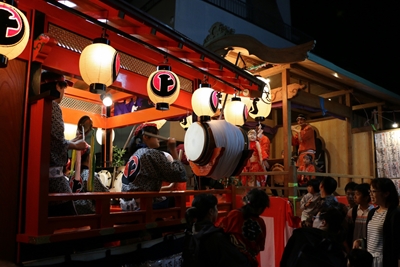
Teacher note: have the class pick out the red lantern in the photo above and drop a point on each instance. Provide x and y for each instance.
(163, 87)
(14, 34)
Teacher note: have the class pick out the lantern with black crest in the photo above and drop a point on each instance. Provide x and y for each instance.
(163, 87)
(14, 33)
(261, 107)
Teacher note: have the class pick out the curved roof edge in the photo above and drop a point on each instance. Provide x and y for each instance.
(358, 82)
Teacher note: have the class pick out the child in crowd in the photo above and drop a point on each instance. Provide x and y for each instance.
(357, 216)
(349, 190)
(309, 201)
(306, 166)
(245, 227)
(327, 187)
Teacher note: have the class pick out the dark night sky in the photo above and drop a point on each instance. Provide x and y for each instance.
(360, 36)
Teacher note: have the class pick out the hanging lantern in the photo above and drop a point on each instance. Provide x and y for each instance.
(99, 65)
(235, 111)
(186, 122)
(99, 135)
(15, 34)
(163, 87)
(205, 102)
(261, 107)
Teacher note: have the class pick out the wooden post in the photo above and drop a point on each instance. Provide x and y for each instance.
(287, 140)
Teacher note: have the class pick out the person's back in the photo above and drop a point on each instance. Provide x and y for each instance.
(205, 244)
(246, 229)
(86, 206)
(317, 246)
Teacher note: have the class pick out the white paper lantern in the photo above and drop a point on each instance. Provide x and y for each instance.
(15, 36)
(163, 87)
(261, 107)
(99, 65)
(205, 101)
(99, 135)
(235, 111)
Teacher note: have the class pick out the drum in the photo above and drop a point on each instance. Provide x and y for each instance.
(278, 179)
(199, 143)
(215, 146)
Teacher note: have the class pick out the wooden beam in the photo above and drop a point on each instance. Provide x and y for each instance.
(273, 71)
(337, 93)
(313, 101)
(368, 105)
(150, 114)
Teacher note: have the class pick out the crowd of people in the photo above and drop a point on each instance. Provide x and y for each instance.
(363, 233)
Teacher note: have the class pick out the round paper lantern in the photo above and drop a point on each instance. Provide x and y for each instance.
(163, 87)
(261, 107)
(14, 34)
(235, 111)
(99, 135)
(205, 102)
(99, 65)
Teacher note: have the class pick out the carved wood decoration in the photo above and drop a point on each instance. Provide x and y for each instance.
(276, 93)
(42, 47)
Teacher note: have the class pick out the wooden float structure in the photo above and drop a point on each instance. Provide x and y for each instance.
(58, 34)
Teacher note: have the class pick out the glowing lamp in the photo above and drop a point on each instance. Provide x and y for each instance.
(99, 65)
(15, 34)
(205, 102)
(235, 112)
(107, 100)
(163, 87)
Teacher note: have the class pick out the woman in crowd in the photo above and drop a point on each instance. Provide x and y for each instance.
(383, 233)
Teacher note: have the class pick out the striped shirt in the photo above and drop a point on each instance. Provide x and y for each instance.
(375, 233)
(360, 224)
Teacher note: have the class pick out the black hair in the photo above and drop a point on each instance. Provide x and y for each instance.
(386, 185)
(334, 216)
(329, 185)
(301, 116)
(360, 258)
(364, 190)
(309, 157)
(350, 186)
(201, 205)
(256, 201)
(52, 79)
(315, 184)
(137, 141)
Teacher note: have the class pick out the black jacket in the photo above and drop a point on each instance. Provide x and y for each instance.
(211, 247)
(312, 247)
(391, 236)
